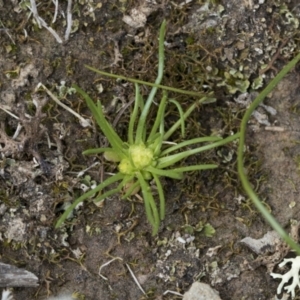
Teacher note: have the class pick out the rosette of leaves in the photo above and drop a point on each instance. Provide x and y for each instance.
(147, 153)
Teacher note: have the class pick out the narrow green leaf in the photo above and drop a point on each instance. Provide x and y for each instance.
(166, 173)
(191, 142)
(133, 80)
(159, 116)
(150, 206)
(109, 132)
(185, 115)
(245, 182)
(162, 202)
(102, 185)
(130, 190)
(97, 112)
(181, 116)
(161, 56)
(107, 194)
(134, 114)
(96, 151)
(172, 159)
(113, 191)
(154, 139)
(156, 145)
(195, 168)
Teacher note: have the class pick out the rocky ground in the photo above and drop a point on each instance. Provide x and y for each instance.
(230, 48)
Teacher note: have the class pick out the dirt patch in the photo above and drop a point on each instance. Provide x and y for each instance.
(226, 47)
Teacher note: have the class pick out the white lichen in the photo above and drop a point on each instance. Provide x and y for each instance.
(16, 230)
(293, 273)
(7, 295)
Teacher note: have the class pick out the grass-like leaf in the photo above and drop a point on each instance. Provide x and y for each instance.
(88, 194)
(107, 129)
(96, 151)
(191, 142)
(172, 159)
(150, 206)
(181, 114)
(246, 184)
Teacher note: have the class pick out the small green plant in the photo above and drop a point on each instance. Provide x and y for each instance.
(147, 154)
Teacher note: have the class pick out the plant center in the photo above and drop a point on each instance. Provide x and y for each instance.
(139, 157)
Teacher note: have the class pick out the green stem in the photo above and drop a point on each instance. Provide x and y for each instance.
(145, 111)
(245, 182)
(163, 87)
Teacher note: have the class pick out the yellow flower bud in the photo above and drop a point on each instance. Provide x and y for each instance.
(125, 167)
(141, 156)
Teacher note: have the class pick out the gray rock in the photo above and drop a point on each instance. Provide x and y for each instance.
(201, 291)
(268, 241)
(11, 276)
